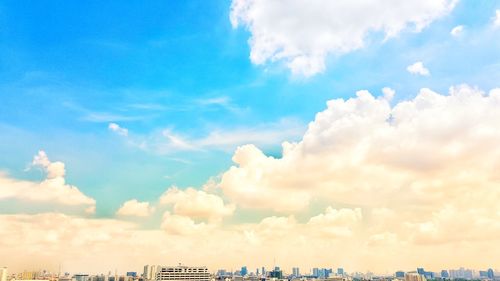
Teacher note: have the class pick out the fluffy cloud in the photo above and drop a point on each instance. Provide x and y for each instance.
(496, 19)
(52, 189)
(403, 161)
(182, 225)
(418, 68)
(193, 203)
(302, 33)
(336, 223)
(117, 129)
(457, 30)
(135, 208)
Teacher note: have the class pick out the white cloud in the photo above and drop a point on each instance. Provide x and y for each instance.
(388, 93)
(135, 208)
(303, 33)
(117, 129)
(403, 179)
(336, 223)
(496, 19)
(418, 68)
(224, 139)
(411, 157)
(52, 189)
(195, 203)
(182, 225)
(457, 30)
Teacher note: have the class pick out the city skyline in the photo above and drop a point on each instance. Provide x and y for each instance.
(305, 134)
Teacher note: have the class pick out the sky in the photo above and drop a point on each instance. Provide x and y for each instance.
(361, 135)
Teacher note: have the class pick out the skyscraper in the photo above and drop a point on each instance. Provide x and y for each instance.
(340, 271)
(315, 272)
(491, 274)
(296, 271)
(3, 274)
(244, 271)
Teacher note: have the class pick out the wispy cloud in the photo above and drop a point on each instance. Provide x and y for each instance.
(168, 141)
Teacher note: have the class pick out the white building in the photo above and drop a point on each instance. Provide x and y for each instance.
(175, 273)
(150, 272)
(3, 274)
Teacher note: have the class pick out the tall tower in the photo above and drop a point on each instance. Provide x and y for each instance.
(3, 274)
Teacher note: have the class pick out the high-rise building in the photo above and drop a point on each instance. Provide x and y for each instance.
(244, 271)
(176, 273)
(296, 272)
(263, 271)
(276, 273)
(400, 274)
(491, 274)
(445, 274)
(3, 274)
(414, 276)
(340, 271)
(315, 272)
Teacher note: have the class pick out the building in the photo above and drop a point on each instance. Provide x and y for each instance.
(296, 272)
(81, 277)
(491, 274)
(445, 274)
(131, 273)
(400, 274)
(340, 271)
(276, 273)
(150, 272)
(3, 274)
(244, 271)
(414, 276)
(175, 273)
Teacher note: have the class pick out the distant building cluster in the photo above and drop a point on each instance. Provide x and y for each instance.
(187, 273)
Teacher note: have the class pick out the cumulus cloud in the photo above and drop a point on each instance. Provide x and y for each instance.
(336, 223)
(135, 208)
(117, 129)
(193, 203)
(402, 161)
(52, 189)
(388, 93)
(418, 68)
(496, 19)
(303, 33)
(182, 225)
(457, 30)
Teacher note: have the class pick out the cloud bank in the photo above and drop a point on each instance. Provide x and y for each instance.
(392, 183)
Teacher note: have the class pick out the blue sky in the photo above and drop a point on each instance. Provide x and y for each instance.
(68, 69)
(116, 104)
